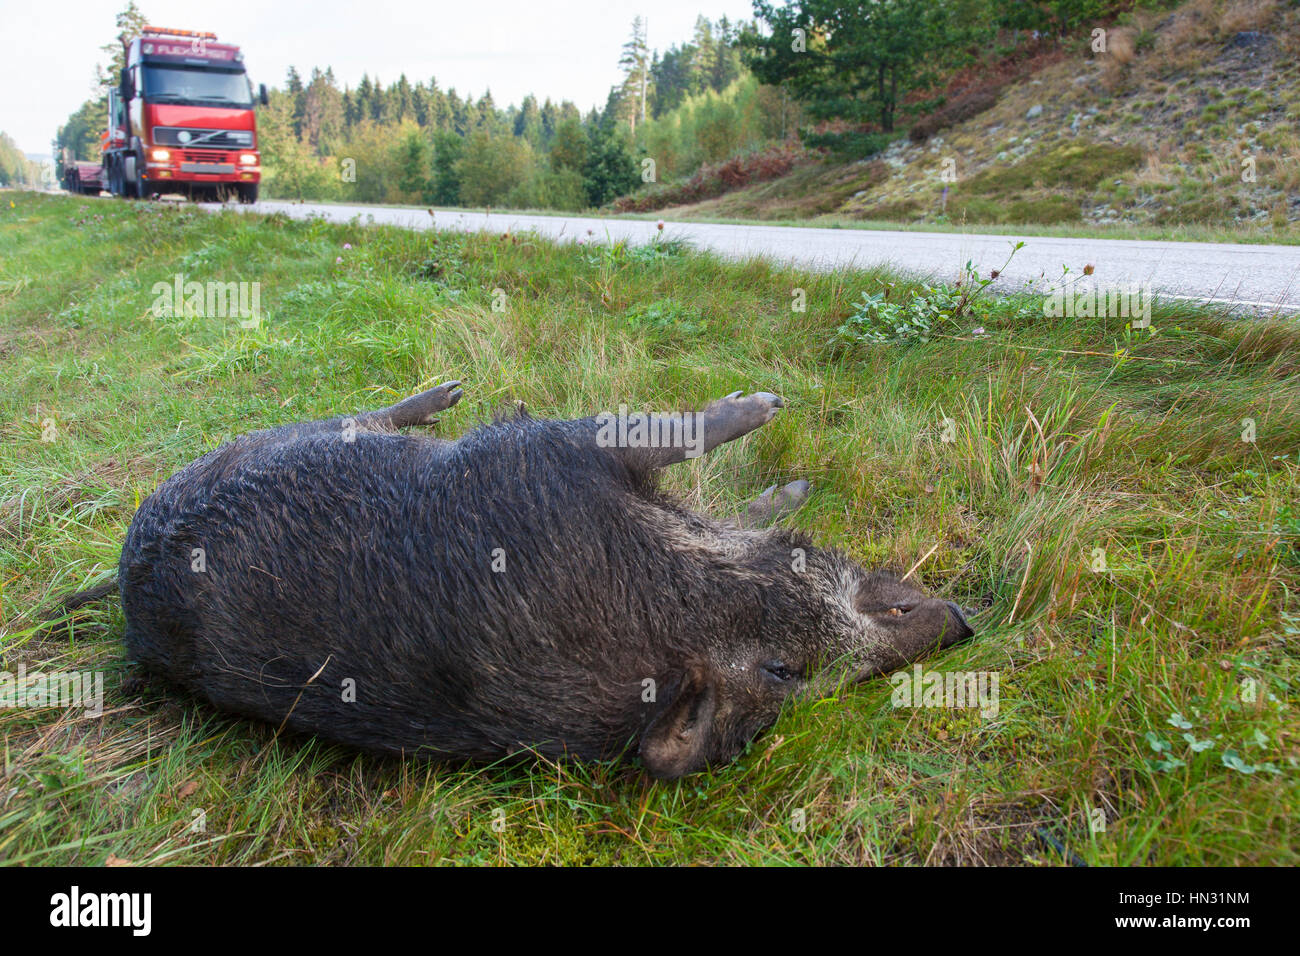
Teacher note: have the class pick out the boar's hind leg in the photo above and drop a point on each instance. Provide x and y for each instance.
(677, 437)
(416, 410)
(772, 504)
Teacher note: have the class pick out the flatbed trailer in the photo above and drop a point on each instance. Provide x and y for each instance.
(84, 178)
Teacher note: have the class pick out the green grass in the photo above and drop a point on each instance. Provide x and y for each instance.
(1067, 437)
(995, 195)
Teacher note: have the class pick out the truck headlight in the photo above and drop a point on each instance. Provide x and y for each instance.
(248, 159)
(160, 155)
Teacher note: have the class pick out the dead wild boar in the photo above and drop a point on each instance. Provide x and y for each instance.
(524, 587)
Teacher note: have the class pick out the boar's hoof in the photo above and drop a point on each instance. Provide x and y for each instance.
(734, 415)
(441, 397)
(422, 409)
(795, 493)
(773, 504)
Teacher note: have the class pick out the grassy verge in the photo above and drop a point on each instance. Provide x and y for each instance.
(1088, 484)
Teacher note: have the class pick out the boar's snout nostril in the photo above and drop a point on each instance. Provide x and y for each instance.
(960, 615)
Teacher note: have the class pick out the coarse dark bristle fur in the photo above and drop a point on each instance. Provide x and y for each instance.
(518, 588)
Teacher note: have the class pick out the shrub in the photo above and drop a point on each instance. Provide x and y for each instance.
(491, 167)
(852, 144)
(710, 181)
(958, 111)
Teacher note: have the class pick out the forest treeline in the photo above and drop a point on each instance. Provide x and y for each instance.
(15, 168)
(415, 142)
(830, 73)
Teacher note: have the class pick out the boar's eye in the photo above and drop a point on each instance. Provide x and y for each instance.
(777, 671)
(886, 608)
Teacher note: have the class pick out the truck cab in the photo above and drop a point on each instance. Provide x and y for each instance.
(182, 119)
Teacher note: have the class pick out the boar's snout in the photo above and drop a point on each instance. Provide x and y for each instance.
(961, 627)
(943, 623)
(928, 623)
(912, 616)
(904, 623)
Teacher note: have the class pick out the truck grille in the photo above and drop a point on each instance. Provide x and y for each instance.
(217, 139)
(202, 156)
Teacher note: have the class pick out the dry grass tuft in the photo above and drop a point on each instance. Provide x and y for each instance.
(1242, 15)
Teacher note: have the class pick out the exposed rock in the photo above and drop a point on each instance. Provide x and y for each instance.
(1250, 39)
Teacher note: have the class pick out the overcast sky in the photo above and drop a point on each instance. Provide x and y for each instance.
(565, 50)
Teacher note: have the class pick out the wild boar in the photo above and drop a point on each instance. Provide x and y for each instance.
(524, 587)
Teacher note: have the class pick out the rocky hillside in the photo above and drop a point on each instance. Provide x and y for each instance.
(1189, 117)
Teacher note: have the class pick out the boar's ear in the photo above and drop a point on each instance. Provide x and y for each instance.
(677, 741)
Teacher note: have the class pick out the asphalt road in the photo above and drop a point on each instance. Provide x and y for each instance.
(1260, 278)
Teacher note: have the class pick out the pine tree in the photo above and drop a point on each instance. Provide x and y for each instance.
(704, 56)
(420, 105)
(414, 166)
(320, 116)
(365, 93)
(403, 103)
(130, 23)
(860, 61)
(671, 79)
(609, 170)
(726, 58)
(549, 117)
(488, 118)
(447, 150)
(439, 109)
(635, 62)
(459, 113)
(528, 122)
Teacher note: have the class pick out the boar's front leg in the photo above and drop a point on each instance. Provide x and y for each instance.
(656, 441)
(771, 505)
(416, 410)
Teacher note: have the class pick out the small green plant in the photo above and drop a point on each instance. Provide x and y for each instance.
(200, 259)
(879, 321)
(444, 269)
(665, 320)
(1164, 761)
(659, 249)
(927, 310)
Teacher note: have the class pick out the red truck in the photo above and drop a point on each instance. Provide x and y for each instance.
(180, 120)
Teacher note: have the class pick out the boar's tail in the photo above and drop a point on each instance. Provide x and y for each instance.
(58, 616)
(67, 603)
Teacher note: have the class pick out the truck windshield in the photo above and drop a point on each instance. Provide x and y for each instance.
(199, 87)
